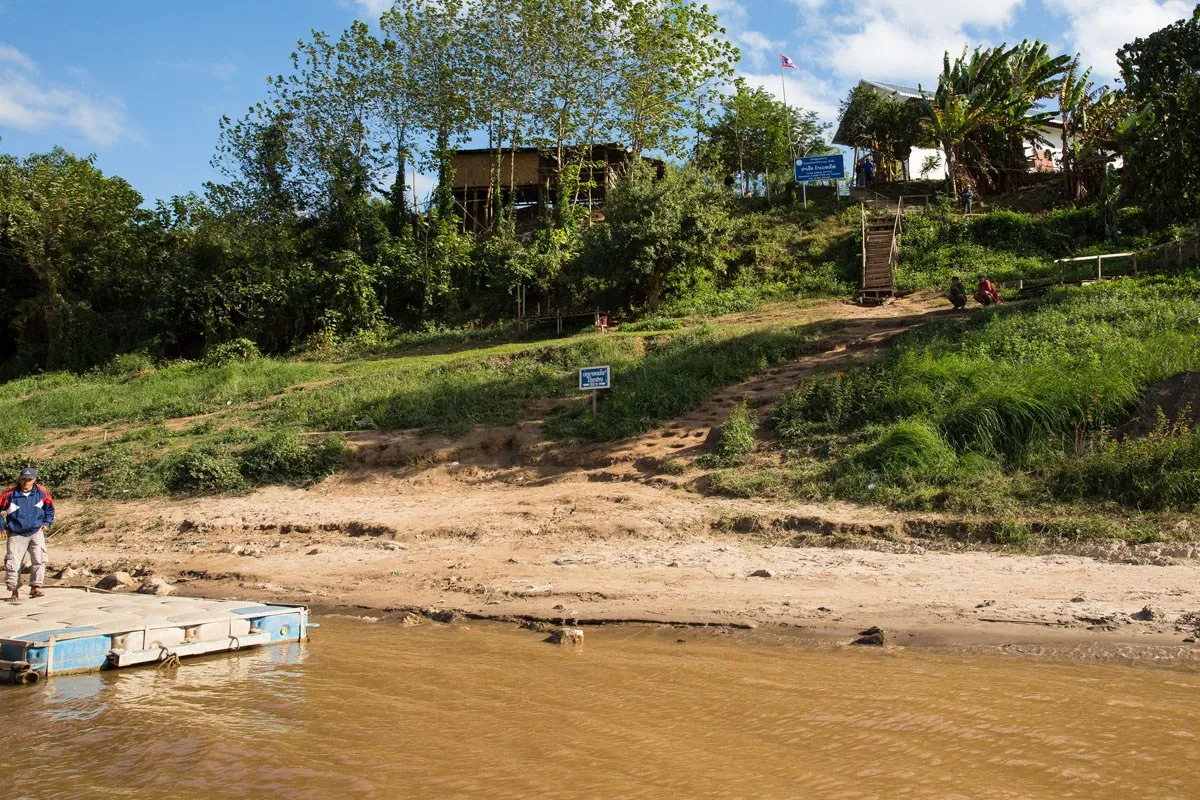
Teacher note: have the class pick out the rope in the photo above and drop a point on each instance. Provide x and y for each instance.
(167, 659)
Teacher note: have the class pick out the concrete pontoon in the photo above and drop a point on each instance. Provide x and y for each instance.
(75, 630)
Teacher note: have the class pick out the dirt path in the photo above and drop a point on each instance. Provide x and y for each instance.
(864, 335)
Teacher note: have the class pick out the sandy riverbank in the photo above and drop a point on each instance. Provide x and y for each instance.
(573, 548)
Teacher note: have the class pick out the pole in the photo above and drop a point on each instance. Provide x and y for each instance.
(595, 394)
(783, 85)
(804, 190)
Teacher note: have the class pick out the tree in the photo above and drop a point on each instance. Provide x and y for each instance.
(69, 237)
(1161, 73)
(756, 135)
(669, 59)
(889, 128)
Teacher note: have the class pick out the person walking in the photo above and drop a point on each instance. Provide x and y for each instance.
(28, 512)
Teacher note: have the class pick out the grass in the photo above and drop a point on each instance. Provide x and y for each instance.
(677, 374)
(1015, 406)
(269, 413)
(64, 400)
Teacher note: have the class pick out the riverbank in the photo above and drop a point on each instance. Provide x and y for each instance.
(593, 551)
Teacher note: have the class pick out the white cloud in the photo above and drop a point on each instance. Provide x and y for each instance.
(11, 55)
(374, 7)
(803, 90)
(1101, 27)
(905, 41)
(757, 49)
(31, 102)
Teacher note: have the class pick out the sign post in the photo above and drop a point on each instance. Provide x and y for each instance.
(593, 379)
(819, 168)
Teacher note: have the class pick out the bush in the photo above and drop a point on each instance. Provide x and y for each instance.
(913, 448)
(289, 457)
(232, 352)
(737, 435)
(128, 365)
(203, 468)
(1160, 471)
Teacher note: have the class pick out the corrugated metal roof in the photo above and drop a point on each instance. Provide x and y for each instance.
(903, 91)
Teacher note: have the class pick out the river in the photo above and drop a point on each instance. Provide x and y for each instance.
(488, 711)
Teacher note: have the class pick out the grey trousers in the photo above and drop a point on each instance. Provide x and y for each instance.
(14, 555)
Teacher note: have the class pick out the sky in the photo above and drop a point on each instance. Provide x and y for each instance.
(143, 85)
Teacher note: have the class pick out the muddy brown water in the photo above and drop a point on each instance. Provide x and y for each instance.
(488, 711)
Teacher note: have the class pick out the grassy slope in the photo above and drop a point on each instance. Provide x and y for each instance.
(138, 434)
(1007, 411)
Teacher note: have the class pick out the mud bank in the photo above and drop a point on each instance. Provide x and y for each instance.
(585, 551)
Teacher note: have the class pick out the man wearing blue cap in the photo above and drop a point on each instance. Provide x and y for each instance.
(28, 511)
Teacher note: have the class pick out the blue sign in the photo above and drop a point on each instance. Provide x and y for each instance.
(820, 168)
(594, 378)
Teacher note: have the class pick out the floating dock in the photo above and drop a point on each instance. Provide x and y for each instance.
(74, 630)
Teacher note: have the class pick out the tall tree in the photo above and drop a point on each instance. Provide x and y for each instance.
(1161, 73)
(671, 56)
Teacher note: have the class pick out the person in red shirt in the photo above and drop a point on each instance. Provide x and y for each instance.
(986, 293)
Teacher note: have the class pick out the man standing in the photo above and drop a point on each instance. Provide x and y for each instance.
(968, 200)
(28, 511)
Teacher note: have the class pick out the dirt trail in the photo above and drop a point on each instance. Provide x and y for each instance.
(863, 335)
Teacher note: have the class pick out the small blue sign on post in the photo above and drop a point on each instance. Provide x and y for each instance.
(592, 378)
(820, 168)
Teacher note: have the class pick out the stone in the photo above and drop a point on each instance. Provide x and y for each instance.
(871, 636)
(116, 581)
(68, 574)
(538, 626)
(156, 586)
(445, 616)
(986, 604)
(762, 573)
(1150, 614)
(1079, 599)
(825, 609)
(316, 551)
(571, 637)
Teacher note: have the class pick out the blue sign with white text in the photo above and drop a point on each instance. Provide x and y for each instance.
(594, 378)
(820, 168)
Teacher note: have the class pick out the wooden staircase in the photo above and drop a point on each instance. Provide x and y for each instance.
(880, 252)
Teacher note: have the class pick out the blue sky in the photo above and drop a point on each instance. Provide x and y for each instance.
(143, 84)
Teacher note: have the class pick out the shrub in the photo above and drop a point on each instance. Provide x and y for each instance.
(232, 352)
(912, 447)
(203, 468)
(288, 457)
(737, 435)
(1156, 472)
(128, 365)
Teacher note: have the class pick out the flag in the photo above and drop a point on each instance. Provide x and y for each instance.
(786, 63)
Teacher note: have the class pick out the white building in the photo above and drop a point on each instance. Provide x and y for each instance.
(1044, 156)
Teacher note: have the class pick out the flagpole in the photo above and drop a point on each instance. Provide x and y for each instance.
(783, 86)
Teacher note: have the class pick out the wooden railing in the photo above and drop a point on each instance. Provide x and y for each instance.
(1158, 258)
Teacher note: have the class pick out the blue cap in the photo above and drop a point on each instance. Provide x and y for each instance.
(28, 472)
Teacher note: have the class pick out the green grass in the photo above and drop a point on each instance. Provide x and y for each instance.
(64, 400)
(1014, 406)
(676, 375)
